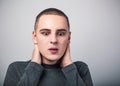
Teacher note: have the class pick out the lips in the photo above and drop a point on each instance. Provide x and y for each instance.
(53, 50)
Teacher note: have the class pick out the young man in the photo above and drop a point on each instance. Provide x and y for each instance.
(51, 63)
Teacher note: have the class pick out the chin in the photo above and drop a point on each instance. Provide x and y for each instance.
(54, 57)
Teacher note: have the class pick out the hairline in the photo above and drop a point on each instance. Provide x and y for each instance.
(37, 21)
(51, 11)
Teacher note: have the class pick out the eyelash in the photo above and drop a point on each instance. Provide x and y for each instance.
(58, 33)
(61, 33)
(45, 33)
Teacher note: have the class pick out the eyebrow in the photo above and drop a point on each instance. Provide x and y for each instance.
(62, 30)
(44, 29)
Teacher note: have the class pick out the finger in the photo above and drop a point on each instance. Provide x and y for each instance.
(36, 54)
(36, 46)
(68, 49)
(66, 60)
(35, 43)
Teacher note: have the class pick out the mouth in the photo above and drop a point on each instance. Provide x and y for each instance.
(53, 50)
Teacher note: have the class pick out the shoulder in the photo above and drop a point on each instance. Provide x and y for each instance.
(15, 70)
(80, 64)
(82, 68)
(18, 65)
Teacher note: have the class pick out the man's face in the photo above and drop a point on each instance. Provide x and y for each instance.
(52, 36)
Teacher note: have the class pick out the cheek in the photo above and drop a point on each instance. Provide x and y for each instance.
(62, 46)
(63, 41)
(42, 42)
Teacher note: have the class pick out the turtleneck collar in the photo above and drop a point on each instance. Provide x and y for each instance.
(51, 66)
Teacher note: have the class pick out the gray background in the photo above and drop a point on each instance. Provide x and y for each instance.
(95, 27)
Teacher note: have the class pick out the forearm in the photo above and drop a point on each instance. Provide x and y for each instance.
(20, 76)
(31, 75)
(72, 76)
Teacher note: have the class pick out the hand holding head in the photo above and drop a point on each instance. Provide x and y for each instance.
(36, 57)
(66, 60)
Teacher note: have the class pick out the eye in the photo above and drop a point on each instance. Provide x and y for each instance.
(45, 33)
(61, 33)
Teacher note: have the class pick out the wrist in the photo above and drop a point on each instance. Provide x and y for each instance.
(36, 61)
(67, 63)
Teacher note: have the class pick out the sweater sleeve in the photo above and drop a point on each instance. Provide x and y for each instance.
(30, 76)
(77, 76)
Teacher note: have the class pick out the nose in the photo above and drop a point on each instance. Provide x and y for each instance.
(53, 39)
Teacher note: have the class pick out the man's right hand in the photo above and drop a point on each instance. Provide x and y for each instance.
(36, 57)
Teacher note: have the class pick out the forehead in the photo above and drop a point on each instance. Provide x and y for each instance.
(52, 16)
(52, 21)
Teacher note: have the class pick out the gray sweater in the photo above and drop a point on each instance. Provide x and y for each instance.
(33, 74)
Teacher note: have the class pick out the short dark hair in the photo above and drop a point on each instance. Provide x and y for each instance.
(52, 11)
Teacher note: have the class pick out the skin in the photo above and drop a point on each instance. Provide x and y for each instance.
(51, 32)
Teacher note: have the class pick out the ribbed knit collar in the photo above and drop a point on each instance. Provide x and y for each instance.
(51, 66)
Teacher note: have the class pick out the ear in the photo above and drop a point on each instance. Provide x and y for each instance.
(34, 37)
